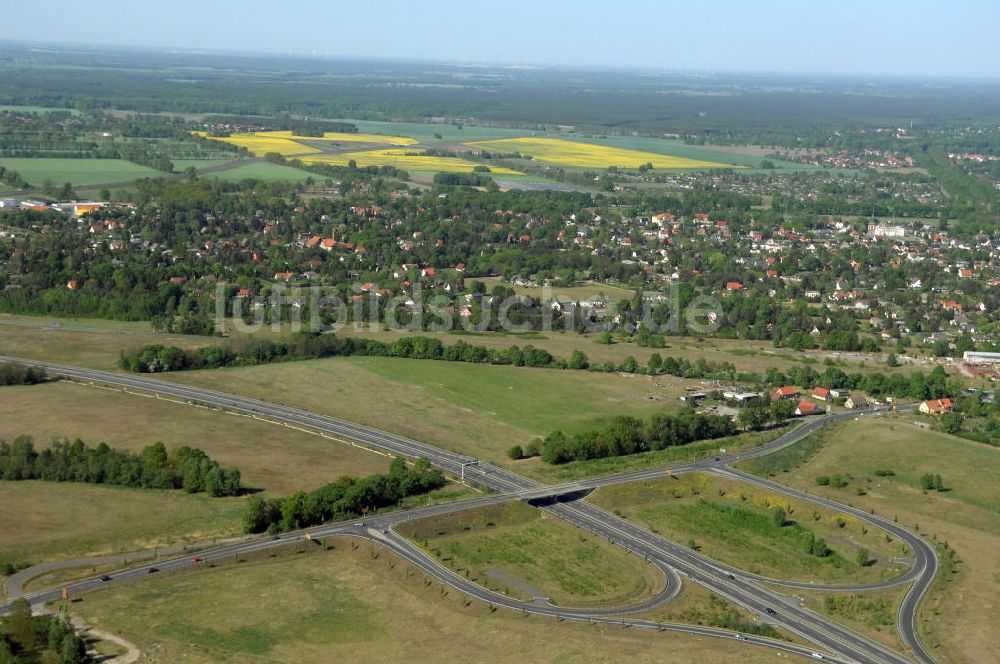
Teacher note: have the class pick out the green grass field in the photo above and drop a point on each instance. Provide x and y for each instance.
(349, 605)
(274, 458)
(181, 164)
(97, 349)
(967, 516)
(79, 172)
(477, 409)
(523, 552)
(47, 521)
(424, 132)
(263, 170)
(37, 109)
(733, 522)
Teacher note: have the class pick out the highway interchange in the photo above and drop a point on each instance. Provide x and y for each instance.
(835, 642)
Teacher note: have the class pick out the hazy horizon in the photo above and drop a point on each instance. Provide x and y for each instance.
(891, 39)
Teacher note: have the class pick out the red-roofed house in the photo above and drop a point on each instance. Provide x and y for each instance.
(283, 276)
(821, 394)
(936, 406)
(734, 285)
(806, 408)
(965, 273)
(785, 392)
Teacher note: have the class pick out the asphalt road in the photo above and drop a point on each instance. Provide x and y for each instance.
(747, 592)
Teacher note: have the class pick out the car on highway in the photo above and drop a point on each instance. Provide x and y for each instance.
(739, 637)
(152, 570)
(197, 559)
(816, 655)
(105, 578)
(731, 577)
(770, 611)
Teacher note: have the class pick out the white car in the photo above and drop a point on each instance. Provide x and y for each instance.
(816, 655)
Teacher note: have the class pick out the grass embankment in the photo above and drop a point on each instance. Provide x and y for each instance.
(696, 605)
(734, 523)
(523, 552)
(872, 613)
(956, 618)
(360, 604)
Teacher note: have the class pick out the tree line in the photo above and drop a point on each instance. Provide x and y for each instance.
(346, 498)
(15, 373)
(184, 467)
(625, 435)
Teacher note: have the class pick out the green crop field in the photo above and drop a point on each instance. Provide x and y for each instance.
(263, 170)
(79, 172)
(424, 132)
(181, 164)
(518, 550)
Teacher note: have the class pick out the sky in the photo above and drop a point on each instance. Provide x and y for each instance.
(955, 38)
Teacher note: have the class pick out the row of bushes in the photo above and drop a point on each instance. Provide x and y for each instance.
(629, 435)
(346, 498)
(15, 373)
(184, 468)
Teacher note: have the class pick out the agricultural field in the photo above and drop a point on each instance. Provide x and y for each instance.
(262, 170)
(263, 143)
(341, 137)
(518, 550)
(589, 155)
(734, 523)
(404, 159)
(427, 132)
(966, 515)
(180, 165)
(372, 607)
(734, 156)
(79, 172)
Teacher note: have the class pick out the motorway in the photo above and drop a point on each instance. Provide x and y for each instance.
(836, 641)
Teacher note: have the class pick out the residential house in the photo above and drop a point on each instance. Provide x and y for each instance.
(785, 392)
(806, 407)
(821, 394)
(936, 406)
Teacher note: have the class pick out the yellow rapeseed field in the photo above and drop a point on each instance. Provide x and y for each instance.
(586, 155)
(338, 136)
(261, 144)
(403, 159)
